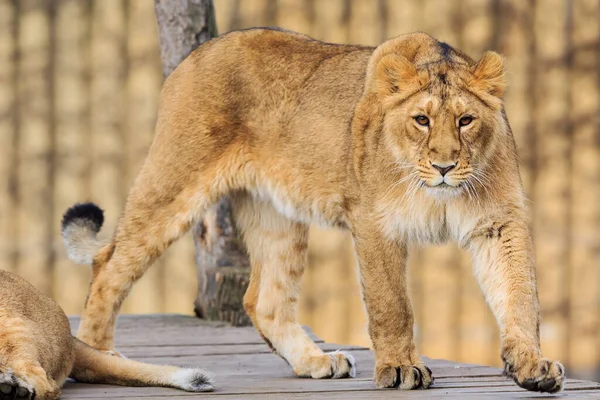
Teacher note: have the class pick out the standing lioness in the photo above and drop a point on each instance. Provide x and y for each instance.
(403, 143)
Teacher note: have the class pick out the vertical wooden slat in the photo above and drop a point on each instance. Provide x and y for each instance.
(223, 13)
(329, 24)
(71, 96)
(8, 138)
(515, 42)
(142, 87)
(108, 109)
(478, 331)
(551, 187)
(584, 320)
(402, 17)
(363, 25)
(35, 144)
(252, 13)
(295, 15)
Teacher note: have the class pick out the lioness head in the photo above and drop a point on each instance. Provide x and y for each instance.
(441, 111)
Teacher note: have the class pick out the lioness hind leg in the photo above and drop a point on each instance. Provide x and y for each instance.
(278, 254)
(171, 192)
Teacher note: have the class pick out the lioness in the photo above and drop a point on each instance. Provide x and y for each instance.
(37, 351)
(404, 143)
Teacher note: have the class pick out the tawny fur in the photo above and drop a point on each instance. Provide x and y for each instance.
(38, 353)
(298, 131)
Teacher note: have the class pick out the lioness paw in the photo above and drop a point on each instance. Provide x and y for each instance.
(12, 387)
(406, 377)
(538, 376)
(335, 365)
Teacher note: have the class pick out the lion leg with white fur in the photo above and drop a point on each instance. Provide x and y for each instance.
(278, 249)
(503, 259)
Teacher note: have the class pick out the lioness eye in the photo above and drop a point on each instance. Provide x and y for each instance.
(422, 120)
(464, 121)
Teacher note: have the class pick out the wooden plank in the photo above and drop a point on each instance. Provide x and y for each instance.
(35, 144)
(584, 320)
(72, 142)
(180, 329)
(248, 370)
(388, 394)
(8, 135)
(551, 186)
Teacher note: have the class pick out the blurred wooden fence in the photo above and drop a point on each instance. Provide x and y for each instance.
(79, 84)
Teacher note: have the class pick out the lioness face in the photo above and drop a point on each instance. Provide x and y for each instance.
(439, 122)
(444, 137)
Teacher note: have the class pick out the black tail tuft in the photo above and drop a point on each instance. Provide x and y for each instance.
(88, 213)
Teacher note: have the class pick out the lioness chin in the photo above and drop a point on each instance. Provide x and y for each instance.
(404, 143)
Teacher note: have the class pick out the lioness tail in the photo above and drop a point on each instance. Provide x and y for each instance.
(93, 366)
(79, 227)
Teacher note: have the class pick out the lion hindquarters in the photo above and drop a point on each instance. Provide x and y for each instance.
(93, 366)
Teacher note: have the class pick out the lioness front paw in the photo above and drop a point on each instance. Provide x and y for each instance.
(539, 375)
(11, 387)
(335, 365)
(405, 377)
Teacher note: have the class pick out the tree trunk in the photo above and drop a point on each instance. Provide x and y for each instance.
(221, 258)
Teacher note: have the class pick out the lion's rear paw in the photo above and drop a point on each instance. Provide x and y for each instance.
(541, 376)
(405, 377)
(335, 365)
(11, 387)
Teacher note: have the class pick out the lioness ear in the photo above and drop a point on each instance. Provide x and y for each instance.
(488, 74)
(395, 74)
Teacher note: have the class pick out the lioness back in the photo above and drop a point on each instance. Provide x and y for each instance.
(279, 99)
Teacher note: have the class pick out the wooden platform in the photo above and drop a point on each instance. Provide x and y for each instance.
(244, 368)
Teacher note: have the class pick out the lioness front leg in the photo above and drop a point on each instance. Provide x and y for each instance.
(382, 266)
(504, 266)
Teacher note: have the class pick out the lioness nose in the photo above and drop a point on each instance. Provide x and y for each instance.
(443, 168)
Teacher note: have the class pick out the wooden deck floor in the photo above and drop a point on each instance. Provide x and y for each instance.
(244, 368)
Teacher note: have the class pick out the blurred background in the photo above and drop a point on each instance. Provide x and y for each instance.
(79, 86)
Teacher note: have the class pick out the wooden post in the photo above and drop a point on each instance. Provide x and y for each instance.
(223, 265)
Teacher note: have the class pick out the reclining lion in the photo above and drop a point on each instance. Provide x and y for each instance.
(38, 353)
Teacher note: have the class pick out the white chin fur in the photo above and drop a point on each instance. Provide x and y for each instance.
(442, 192)
(193, 380)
